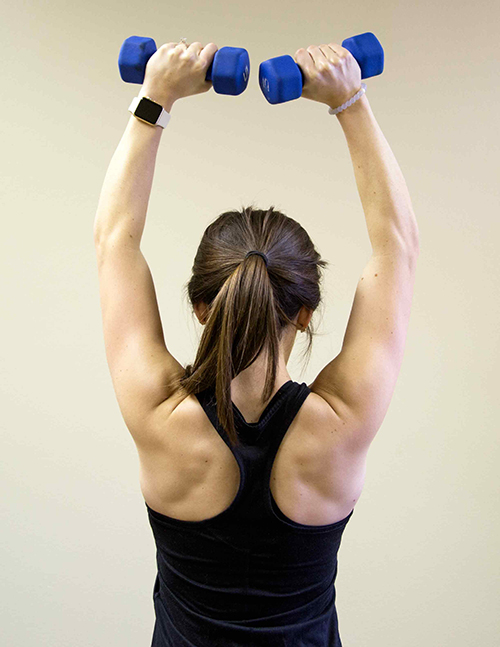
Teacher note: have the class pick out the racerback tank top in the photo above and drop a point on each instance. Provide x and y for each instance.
(250, 575)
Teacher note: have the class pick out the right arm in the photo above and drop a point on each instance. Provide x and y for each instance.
(360, 381)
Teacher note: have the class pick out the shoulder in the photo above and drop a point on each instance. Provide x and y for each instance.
(315, 432)
(178, 411)
(317, 410)
(319, 438)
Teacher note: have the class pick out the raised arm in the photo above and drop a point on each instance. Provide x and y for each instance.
(386, 202)
(360, 381)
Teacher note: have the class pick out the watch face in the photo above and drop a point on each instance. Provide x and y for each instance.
(148, 110)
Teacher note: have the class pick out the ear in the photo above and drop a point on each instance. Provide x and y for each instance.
(201, 311)
(304, 317)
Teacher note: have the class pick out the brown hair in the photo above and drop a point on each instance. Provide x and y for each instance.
(249, 305)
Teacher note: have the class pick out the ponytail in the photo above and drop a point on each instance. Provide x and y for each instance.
(250, 299)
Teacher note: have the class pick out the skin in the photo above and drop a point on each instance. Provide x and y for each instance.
(251, 380)
(176, 71)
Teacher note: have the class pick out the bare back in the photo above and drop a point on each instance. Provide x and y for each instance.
(191, 474)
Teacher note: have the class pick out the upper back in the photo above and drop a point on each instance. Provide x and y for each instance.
(192, 474)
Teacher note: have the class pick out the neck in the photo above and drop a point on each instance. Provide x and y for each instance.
(251, 381)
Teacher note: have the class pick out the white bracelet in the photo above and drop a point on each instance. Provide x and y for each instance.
(357, 96)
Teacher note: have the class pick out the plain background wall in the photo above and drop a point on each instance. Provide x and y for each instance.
(419, 561)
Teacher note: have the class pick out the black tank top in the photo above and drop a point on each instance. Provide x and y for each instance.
(250, 575)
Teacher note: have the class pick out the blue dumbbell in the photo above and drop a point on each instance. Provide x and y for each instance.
(229, 70)
(281, 79)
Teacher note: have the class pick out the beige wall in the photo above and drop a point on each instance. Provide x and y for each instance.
(419, 561)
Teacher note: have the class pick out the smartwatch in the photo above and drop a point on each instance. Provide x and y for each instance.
(149, 111)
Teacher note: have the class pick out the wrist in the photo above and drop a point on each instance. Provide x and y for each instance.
(362, 105)
(165, 100)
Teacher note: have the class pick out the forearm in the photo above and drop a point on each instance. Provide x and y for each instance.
(382, 188)
(127, 185)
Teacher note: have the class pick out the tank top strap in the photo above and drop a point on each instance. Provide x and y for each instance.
(283, 417)
(273, 423)
(259, 444)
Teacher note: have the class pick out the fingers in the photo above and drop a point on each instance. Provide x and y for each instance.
(194, 47)
(205, 54)
(336, 48)
(320, 52)
(208, 52)
(305, 60)
(315, 53)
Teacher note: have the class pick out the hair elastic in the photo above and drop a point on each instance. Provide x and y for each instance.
(254, 251)
(345, 105)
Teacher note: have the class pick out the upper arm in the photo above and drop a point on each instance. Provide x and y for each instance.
(142, 369)
(360, 381)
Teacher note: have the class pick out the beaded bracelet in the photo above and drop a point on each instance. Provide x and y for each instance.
(357, 96)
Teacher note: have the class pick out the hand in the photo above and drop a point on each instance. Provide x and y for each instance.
(176, 71)
(332, 74)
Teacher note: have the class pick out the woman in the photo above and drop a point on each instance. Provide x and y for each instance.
(250, 478)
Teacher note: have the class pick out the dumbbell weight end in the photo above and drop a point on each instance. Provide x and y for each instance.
(368, 52)
(229, 71)
(134, 54)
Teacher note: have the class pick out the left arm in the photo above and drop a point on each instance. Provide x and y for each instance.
(142, 369)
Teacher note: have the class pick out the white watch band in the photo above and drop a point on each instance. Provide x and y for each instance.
(162, 120)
